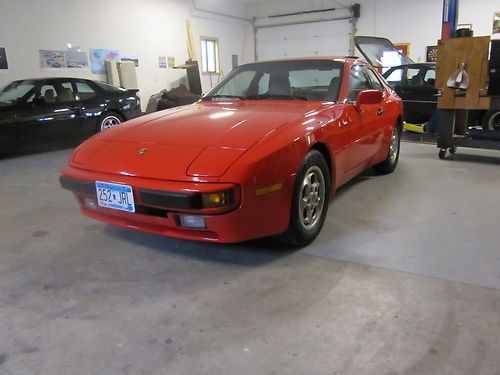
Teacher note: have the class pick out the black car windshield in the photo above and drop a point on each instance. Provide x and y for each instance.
(15, 92)
(281, 80)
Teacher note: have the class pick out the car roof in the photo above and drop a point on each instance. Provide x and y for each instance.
(343, 59)
(53, 79)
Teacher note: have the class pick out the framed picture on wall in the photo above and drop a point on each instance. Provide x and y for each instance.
(77, 59)
(3, 59)
(432, 54)
(162, 62)
(52, 59)
(404, 48)
(496, 23)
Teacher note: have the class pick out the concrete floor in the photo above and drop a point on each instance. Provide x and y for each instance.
(395, 284)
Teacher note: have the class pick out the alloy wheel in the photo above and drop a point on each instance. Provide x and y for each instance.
(394, 147)
(312, 198)
(109, 121)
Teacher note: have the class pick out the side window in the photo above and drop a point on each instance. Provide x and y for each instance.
(414, 77)
(358, 81)
(84, 91)
(375, 80)
(430, 77)
(47, 93)
(66, 93)
(395, 77)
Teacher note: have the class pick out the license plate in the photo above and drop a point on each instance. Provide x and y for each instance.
(115, 196)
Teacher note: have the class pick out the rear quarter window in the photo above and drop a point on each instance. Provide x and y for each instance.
(85, 91)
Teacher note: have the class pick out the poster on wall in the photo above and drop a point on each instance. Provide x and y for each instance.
(134, 59)
(171, 61)
(3, 59)
(99, 56)
(404, 48)
(76, 59)
(162, 62)
(52, 59)
(496, 23)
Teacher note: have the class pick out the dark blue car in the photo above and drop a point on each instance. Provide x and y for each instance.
(36, 112)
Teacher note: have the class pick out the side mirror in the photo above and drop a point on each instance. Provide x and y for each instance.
(366, 97)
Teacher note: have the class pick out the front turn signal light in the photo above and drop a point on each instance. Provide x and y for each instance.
(218, 199)
(268, 189)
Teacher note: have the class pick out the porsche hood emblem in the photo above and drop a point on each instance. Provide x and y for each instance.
(142, 151)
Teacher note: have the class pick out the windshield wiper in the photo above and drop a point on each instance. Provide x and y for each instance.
(223, 96)
(275, 96)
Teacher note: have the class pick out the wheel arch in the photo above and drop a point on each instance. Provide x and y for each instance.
(399, 122)
(115, 111)
(325, 151)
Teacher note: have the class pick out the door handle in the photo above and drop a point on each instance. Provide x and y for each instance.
(380, 111)
(77, 109)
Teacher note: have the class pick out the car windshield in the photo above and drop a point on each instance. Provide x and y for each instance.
(15, 92)
(281, 80)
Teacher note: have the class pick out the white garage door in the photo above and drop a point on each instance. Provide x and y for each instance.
(328, 38)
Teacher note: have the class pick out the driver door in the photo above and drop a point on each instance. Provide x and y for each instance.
(368, 121)
(415, 86)
(51, 113)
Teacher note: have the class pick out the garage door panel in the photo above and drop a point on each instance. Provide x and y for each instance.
(319, 38)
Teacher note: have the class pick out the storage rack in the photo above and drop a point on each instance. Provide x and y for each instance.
(454, 104)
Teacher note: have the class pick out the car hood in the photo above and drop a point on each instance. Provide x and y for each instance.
(202, 139)
(380, 52)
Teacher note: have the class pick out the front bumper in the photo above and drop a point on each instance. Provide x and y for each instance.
(160, 203)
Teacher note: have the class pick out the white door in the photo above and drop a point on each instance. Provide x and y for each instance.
(328, 38)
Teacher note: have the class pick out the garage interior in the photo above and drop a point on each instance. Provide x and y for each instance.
(403, 279)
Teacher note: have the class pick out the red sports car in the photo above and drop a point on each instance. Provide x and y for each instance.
(259, 155)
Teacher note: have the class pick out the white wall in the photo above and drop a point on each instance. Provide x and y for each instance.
(146, 28)
(150, 28)
(415, 21)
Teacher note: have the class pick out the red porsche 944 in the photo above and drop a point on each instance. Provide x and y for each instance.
(259, 155)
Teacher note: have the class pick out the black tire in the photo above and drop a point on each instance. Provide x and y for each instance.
(391, 161)
(314, 169)
(491, 121)
(107, 120)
